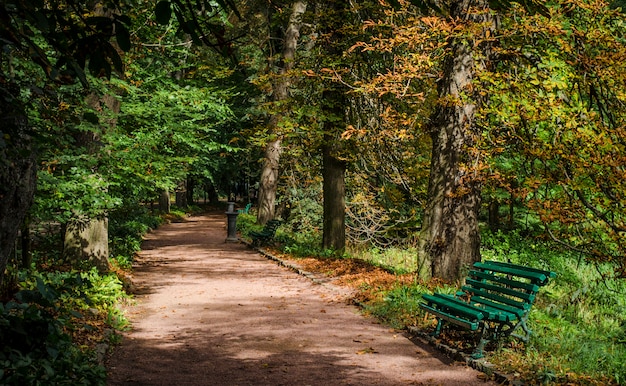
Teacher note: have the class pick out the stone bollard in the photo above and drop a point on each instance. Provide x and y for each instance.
(232, 214)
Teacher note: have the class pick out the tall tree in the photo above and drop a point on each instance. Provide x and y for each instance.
(450, 236)
(63, 39)
(333, 108)
(18, 167)
(280, 90)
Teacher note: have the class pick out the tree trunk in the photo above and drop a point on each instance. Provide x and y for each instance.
(334, 109)
(450, 238)
(191, 187)
(164, 201)
(18, 171)
(334, 170)
(181, 194)
(25, 241)
(212, 193)
(86, 242)
(494, 214)
(268, 184)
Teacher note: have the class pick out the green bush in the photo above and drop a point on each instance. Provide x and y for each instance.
(126, 228)
(36, 347)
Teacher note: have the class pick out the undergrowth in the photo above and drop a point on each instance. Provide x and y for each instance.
(54, 330)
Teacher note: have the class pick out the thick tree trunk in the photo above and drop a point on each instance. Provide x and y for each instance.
(450, 238)
(86, 242)
(334, 170)
(268, 184)
(18, 171)
(334, 110)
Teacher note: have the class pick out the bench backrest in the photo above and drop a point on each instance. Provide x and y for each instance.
(504, 285)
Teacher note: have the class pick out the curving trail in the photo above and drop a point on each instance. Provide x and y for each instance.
(214, 313)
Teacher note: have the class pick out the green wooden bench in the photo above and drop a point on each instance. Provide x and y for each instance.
(246, 210)
(266, 234)
(495, 301)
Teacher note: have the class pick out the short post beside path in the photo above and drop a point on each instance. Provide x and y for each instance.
(232, 214)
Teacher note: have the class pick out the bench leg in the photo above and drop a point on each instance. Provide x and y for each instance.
(479, 351)
(437, 328)
(525, 336)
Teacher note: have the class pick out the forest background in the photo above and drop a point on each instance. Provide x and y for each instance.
(420, 135)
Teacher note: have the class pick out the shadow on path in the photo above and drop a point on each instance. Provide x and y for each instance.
(214, 313)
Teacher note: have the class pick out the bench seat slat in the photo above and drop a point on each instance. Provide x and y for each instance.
(453, 306)
(489, 309)
(549, 274)
(470, 325)
(497, 298)
(502, 312)
(478, 313)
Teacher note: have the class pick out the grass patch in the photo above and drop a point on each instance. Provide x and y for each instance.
(395, 259)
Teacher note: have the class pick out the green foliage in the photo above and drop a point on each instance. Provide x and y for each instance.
(562, 157)
(126, 228)
(36, 346)
(76, 192)
(246, 222)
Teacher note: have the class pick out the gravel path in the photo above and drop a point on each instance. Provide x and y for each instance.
(209, 312)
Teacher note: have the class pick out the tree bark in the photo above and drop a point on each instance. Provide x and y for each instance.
(450, 238)
(334, 110)
(181, 194)
(164, 201)
(268, 184)
(334, 170)
(86, 242)
(191, 187)
(18, 170)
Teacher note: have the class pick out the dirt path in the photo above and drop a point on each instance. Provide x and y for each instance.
(214, 313)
